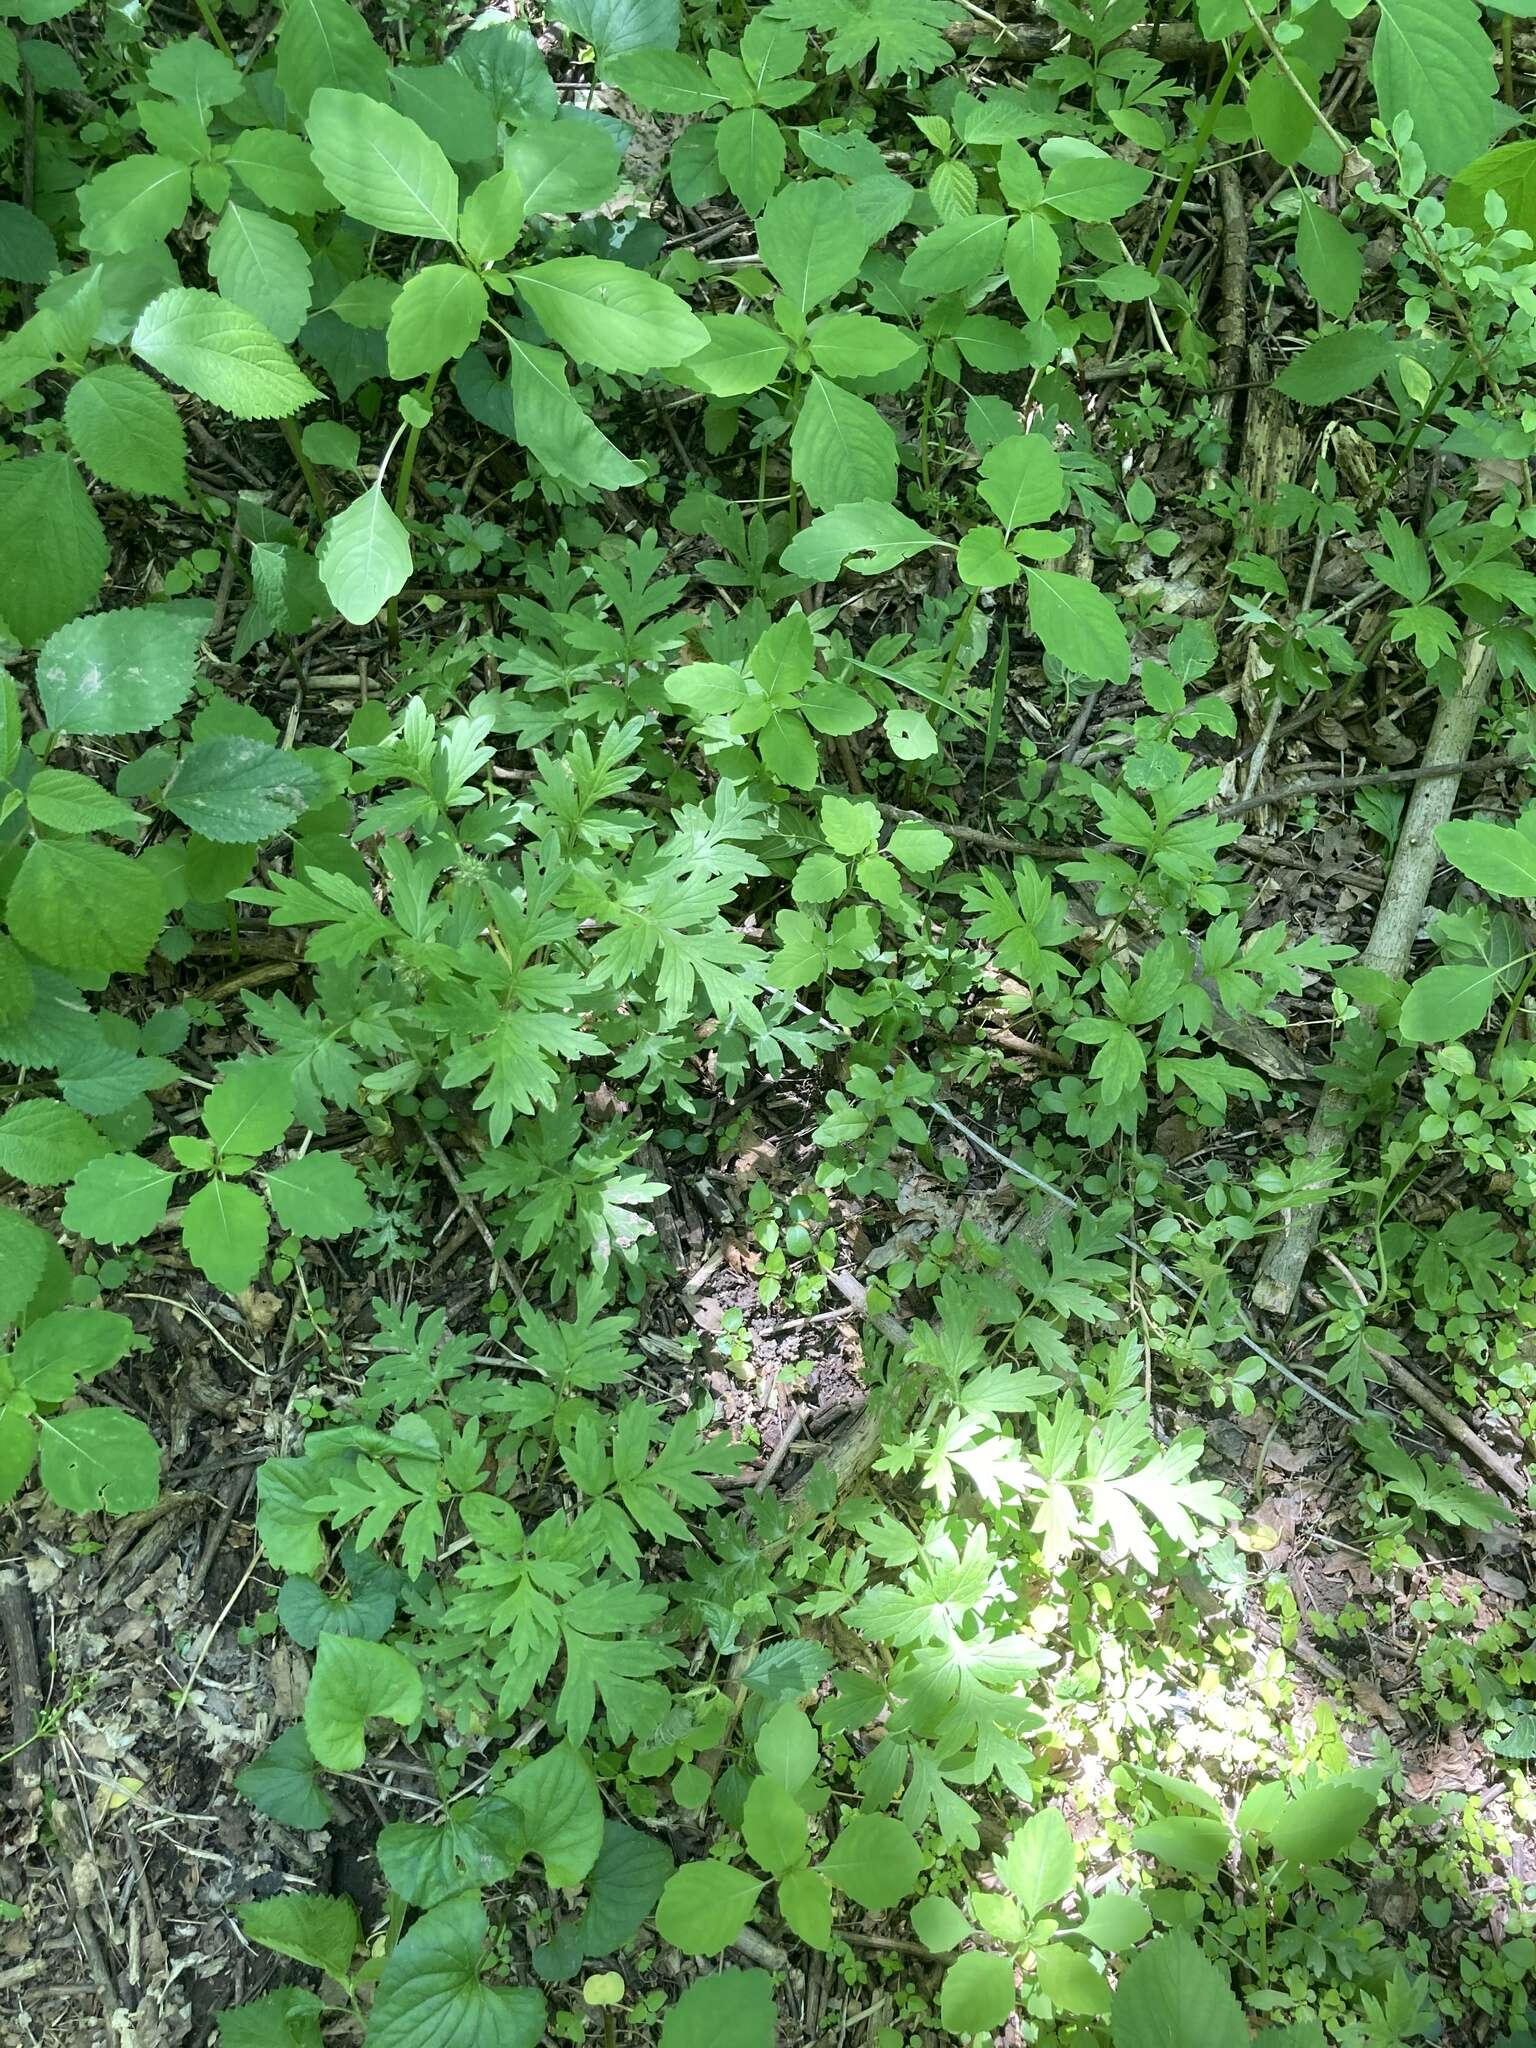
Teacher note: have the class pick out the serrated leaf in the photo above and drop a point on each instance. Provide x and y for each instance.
(875, 1860)
(67, 802)
(308, 1926)
(1040, 1862)
(27, 251)
(224, 1229)
(664, 82)
(384, 170)
(1032, 263)
(492, 217)
(1498, 858)
(956, 256)
(615, 27)
(85, 908)
(773, 1827)
(24, 1250)
(739, 355)
(750, 147)
(609, 315)
(326, 43)
(260, 263)
(977, 1993)
(279, 169)
(1091, 185)
(91, 1459)
(121, 672)
(364, 557)
(1321, 1822)
(222, 354)
(1170, 1994)
(44, 1143)
(1451, 1001)
(805, 1905)
(355, 1683)
(1337, 365)
(117, 1199)
(439, 312)
(319, 1196)
(1432, 59)
(430, 1990)
(127, 432)
(139, 200)
(249, 1108)
(734, 2006)
(51, 542)
(1021, 481)
(238, 791)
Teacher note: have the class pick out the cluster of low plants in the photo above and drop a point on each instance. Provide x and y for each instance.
(599, 605)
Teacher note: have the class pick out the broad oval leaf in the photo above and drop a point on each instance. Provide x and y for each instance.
(1078, 625)
(354, 1683)
(609, 315)
(384, 170)
(123, 671)
(221, 353)
(364, 557)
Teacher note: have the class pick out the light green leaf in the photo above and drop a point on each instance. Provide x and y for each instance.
(248, 1110)
(1337, 365)
(1510, 171)
(1170, 1995)
(51, 542)
(734, 2006)
(138, 200)
(615, 27)
(805, 1906)
(841, 448)
(956, 256)
(1433, 59)
(663, 81)
(446, 103)
(750, 147)
(260, 263)
(1115, 1921)
(312, 1928)
(43, 1142)
(1449, 1002)
(438, 314)
(985, 561)
(384, 170)
(1282, 120)
(1078, 625)
(364, 557)
(1498, 858)
(704, 1906)
(431, 1993)
(811, 239)
(1187, 1842)
(1321, 1822)
(1088, 184)
(854, 345)
(507, 65)
(609, 315)
(236, 791)
(195, 74)
(553, 426)
(1032, 262)
(1329, 259)
(354, 1683)
(279, 169)
(121, 672)
(65, 801)
(491, 218)
(740, 355)
(868, 536)
(787, 1746)
(977, 1993)
(98, 1458)
(1022, 481)
(85, 908)
(1070, 1981)
(224, 1230)
(24, 1257)
(875, 1860)
(1039, 1865)
(319, 1195)
(56, 1353)
(562, 1815)
(118, 1199)
(940, 1925)
(222, 354)
(286, 2018)
(773, 1827)
(326, 43)
(127, 432)
(564, 166)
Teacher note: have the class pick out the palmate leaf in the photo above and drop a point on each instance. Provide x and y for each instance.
(127, 432)
(221, 353)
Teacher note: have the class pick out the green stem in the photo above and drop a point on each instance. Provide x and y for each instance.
(213, 28)
(1514, 1009)
(403, 498)
(954, 646)
(312, 483)
(1203, 136)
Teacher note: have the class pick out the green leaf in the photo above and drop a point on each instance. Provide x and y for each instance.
(841, 448)
(44, 1143)
(1449, 1002)
(704, 1906)
(27, 251)
(956, 256)
(622, 1890)
(920, 848)
(284, 1783)
(773, 1827)
(750, 147)
(319, 1196)
(985, 561)
(479, 1843)
(1282, 120)
(139, 200)
(364, 557)
(224, 1230)
(787, 1747)
(1078, 625)
(260, 263)
(1088, 184)
(439, 312)
(312, 1928)
(874, 1860)
(17, 993)
(1187, 1842)
(1032, 263)
(1039, 1865)
(854, 345)
(664, 82)
(121, 672)
(326, 43)
(940, 1925)
(279, 169)
(553, 427)
(1115, 1921)
(734, 2006)
(85, 908)
(118, 1199)
(562, 1815)
(222, 354)
(24, 1250)
(1070, 1981)
(609, 315)
(365, 1609)
(57, 1352)
(805, 1905)
(127, 432)
(1321, 1822)
(811, 239)
(491, 218)
(740, 355)
(1498, 858)
(196, 75)
(236, 791)
(507, 65)
(615, 27)
(355, 1683)
(1432, 59)
(248, 1110)
(1337, 365)
(1170, 1995)
(430, 1992)
(1021, 481)
(51, 542)
(384, 170)
(1510, 171)
(64, 801)
(867, 536)
(98, 1458)
(447, 104)
(564, 166)
(1329, 259)
(286, 2018)
(977, 1993)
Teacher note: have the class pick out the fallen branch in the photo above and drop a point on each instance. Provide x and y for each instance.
(1389, 951)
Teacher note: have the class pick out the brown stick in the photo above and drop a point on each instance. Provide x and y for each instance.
(1375, 778)
(26, 1690)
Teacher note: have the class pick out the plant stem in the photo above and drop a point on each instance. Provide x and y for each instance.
(1203, 136)
(317, 492)
(403, 499)
(213, 28)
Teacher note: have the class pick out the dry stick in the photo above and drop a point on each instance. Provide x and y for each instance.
(1390, 948)
(1375, 778)
(1460, 1432)
(26, 1689)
